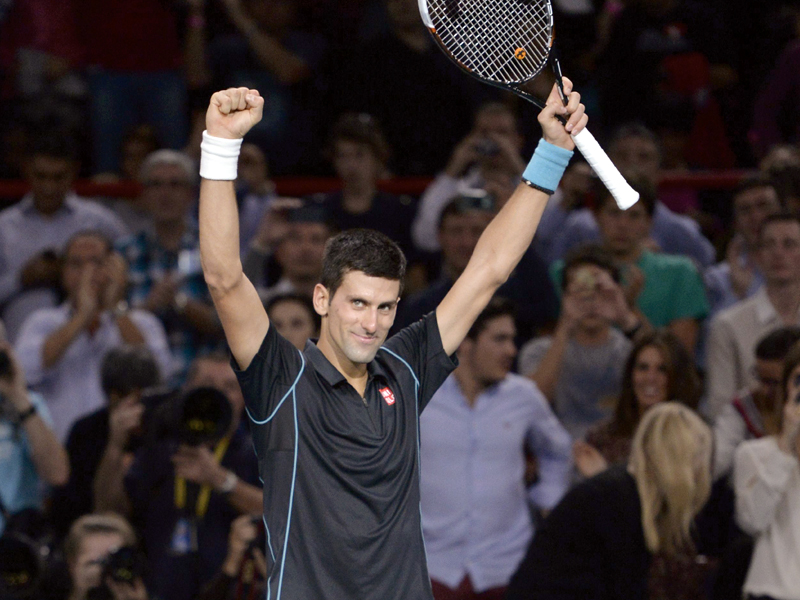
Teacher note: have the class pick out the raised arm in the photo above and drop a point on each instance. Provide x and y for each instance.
(231, 114)
(510, 233)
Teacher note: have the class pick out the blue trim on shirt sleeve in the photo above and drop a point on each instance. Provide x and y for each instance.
(293, 391)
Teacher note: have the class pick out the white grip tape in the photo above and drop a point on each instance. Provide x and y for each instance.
(623, 193)
(219, 158)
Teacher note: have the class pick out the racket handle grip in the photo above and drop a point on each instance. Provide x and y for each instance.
(623, 193)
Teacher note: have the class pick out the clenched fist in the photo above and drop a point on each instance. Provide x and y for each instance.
(233, 112)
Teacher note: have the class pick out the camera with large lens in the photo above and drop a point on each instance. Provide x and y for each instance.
(200, 416)
(124, 565)
(21, 567)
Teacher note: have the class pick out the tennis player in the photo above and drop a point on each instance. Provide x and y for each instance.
(336, 426)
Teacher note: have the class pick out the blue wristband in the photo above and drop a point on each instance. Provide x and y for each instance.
(546, 167)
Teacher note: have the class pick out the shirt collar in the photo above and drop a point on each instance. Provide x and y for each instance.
(330, 373)
(765, 312)
(27, 207)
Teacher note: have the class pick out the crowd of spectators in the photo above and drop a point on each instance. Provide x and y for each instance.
(126, 461)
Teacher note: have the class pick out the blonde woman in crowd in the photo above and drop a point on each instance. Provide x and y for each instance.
(599, 541)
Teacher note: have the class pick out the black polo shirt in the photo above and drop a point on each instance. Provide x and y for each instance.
(341, 473)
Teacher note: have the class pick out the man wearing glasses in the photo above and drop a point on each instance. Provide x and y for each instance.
(753, 412)
(165, 274)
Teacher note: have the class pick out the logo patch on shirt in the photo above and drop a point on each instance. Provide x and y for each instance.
(387, 395)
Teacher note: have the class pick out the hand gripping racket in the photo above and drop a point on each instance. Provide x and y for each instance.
(506, 43)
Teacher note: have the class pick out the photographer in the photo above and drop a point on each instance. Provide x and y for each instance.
(181, 497)
(29, 450)
(245, 567)
(125, 373)
(490, 154)
(89, 550)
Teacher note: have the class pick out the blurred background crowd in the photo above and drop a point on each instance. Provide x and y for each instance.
(126, 465)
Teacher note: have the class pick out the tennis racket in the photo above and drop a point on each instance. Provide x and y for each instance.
(506, 43)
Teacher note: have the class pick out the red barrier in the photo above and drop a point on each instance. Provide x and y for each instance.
(414, 186)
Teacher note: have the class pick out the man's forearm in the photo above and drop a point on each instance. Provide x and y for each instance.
(57, 343)
(219, 235)
(109, 483)
(546, 375)
(129, 331)
(246, 498)
(202, 318)
(48, 455)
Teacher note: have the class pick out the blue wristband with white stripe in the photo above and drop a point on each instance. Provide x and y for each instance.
(546, 167)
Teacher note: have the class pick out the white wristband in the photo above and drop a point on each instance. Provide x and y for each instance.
(219, 158)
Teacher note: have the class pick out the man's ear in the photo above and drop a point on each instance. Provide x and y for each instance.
(321, 299)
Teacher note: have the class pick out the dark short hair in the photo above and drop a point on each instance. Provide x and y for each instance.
(590, 254)
(365, 250)
(55, 144)
(776, 345)
(88, 233)
(634, 130)
(496, 108)
(780, 217)
(128, 368)
(790, 363)
(648, 195)
(751, 183)
(300, 299)
(360, 128)
(497, 307)
(475, 201)
(214, 356)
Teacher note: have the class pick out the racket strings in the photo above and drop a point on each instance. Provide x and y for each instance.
(504, 41)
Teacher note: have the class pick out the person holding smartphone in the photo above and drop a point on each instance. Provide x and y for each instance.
(767, 484)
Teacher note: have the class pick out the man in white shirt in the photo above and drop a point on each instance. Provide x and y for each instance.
(34, 231)
(61, 349)
(475, 514)
(736, 331)
(488, 158)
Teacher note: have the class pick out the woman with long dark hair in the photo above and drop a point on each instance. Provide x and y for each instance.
(658, 369)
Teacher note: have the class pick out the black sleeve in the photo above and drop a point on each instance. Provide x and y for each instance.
(590, 547)
(270, 375)
(420, 346)
(555, 566)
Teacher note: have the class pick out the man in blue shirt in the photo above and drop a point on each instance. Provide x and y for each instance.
(475, 514)
(636, 148)
(30, 452)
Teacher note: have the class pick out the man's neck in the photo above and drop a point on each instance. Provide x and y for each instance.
(48, 209)
(356, 374)
(357, 198)
(785, 299)
(470, 386)
(170, 233)
(591, 337)
(629, 257)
